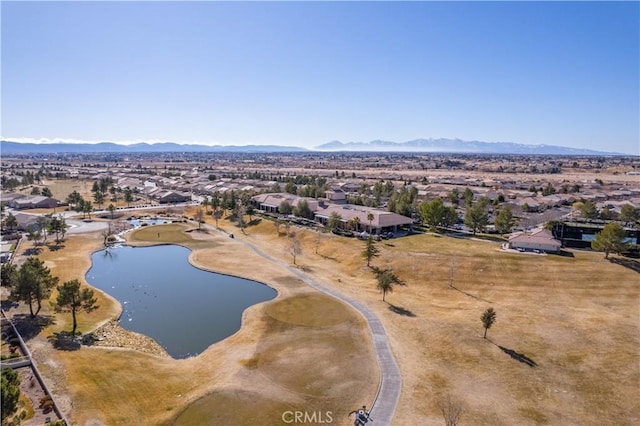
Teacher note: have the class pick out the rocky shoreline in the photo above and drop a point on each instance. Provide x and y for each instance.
(111, 334)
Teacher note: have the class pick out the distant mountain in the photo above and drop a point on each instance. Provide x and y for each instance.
(458, 146)
(418, 145)
(51, 148)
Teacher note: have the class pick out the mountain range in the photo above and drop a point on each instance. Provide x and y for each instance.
(418, 145)
(458, 146)
(110, 147)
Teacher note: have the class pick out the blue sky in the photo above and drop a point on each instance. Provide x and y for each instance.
(294, 73)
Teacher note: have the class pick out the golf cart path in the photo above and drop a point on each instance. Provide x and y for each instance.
(386, 399)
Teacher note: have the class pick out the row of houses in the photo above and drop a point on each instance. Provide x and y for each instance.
(22, 201)
(352, 217)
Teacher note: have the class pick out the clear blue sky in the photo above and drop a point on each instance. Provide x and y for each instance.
(292, 73)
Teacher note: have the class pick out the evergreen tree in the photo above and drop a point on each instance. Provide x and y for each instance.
(504, 221)
(10, 393)
(33, 284)
(370, 250)
(476, 217)
(610, 240)
(488, 319)
(72, 299)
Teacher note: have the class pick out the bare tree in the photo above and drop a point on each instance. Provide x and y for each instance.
(318, 239)
(295, 248)
(106, 234)
(452, 270)
(451, 411)
(199, 216)
(217, 215)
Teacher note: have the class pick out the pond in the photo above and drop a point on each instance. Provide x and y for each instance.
(185, 309)
(144, 222)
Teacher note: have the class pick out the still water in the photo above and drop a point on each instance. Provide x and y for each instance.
(183, 308)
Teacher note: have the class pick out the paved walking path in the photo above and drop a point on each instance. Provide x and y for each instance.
(384, 404)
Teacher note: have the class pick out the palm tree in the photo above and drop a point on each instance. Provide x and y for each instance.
(334, 220)
(370, 218)
(354, 223)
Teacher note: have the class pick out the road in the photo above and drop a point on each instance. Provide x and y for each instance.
(386, 400)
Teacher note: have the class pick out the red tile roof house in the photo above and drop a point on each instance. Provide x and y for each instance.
(539, 239)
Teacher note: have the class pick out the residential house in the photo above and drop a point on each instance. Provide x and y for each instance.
(539, 239)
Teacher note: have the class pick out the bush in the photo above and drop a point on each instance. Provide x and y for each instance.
(45, 400)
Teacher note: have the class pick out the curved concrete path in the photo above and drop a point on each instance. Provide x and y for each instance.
(386, 399)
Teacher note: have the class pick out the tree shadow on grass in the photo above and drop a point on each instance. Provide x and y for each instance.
(32, 251)
(565, 253)
(63, 341)
(401, 311)
(518, 356)
(8, 304)
(56, 247)
(634, 265)
(470, 295)
(30, 327)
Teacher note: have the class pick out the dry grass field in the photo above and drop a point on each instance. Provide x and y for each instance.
(565, 348)
(334, 368)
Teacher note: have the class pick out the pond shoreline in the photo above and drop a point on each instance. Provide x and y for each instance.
(111, 334)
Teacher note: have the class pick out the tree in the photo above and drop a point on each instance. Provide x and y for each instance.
(46, 192)
(43, 224)
(454, 196)
(111, 209)
(199, 216)
(74, 199)
(610, 239)
(239, 212)
(488, 318)
(504, 221)
(87, 207)
(386, 280)
(285, 207)
(605, 214)
(114, 194)
(250, 211)
(334, 221)
(629, 214)
(11, 221)
(33, 233)
(8, 275)
(217, 215)
(295, 248)
(370, 218)
(10, 393)
(58, 226)
(370, 251)
(98, 198)
(354, 223)
(35, 191)
(587, 210)
(303, 210)
(435, 214)
(468, 197)
(291, 188)
(72, 299)
(205, 203)
(128, 196)
(476, 217)
(33, 284)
